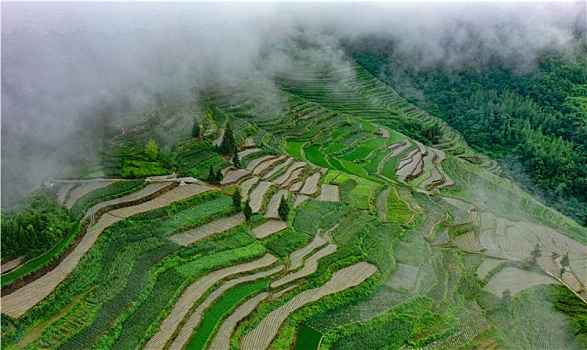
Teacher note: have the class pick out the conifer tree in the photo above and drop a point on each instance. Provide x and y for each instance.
(283, 209)
(236, 160)
(536, 253)
(237, 198)
(248, 211)
(228, 144)
(211, 175)
(564, 263)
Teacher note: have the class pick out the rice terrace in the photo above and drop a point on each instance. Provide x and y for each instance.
(315, 202)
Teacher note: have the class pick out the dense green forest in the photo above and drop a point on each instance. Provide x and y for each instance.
(35, 226)
(534, 121)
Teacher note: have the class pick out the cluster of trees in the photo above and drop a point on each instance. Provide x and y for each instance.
(534, 122)
(283, 209)
(214, 177)
(35, 226)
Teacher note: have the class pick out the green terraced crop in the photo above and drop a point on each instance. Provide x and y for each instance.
(308, 214)
(376, 160)
(308, 338)
(194, 214)
(378, 246)
(314, 155)
(221, 308)
(285, 242)
(367, 126)
(224, 258)
(365, 150)
(398, 210)
(294, 148)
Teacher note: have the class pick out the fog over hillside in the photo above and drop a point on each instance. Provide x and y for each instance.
(68, 69)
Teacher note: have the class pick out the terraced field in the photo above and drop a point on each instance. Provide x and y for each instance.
(390, 242)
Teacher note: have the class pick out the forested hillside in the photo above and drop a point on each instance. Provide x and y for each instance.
(532, 119)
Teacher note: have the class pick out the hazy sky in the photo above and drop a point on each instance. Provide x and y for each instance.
(67, 66)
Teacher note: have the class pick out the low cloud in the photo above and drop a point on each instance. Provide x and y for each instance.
(69, 69)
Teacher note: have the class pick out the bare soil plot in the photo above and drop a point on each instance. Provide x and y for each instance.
(411, 167)
(247, 185)
(22, 300)
(278, 168)
(266, 164)
(177, 194)
(579, 266)
(348, 277)
(195, 291)
(146, 191)
(329, 193)
(257, 195)
(296, 258)
(295, 186)
(282, 292)
(221, 340)
(402, 163)
(273, 205)
(234, 176)
(288, 173)
(515, 280)
(547, 264)
(300, 198)
(459, 204)
(292, 178)
(571, 281)
(246, 152)
(384, 132)
(255, 162)
(398, 148)
(468, 242)
(268, 228)
(11, 265)
(226, 170)
(433, 180)
(310, 266)
(517, 238)
(197, 234)
(442, 156)
(311, 185)
(84, 189)
(404, 277)
(62, 193)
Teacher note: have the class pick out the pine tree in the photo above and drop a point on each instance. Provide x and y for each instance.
(536, 253)
(564, 263)
(248, 211)
(237, 198)
(283, 209)
(228, 144)
(211, 175)
(218, 178)
(236, 160)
